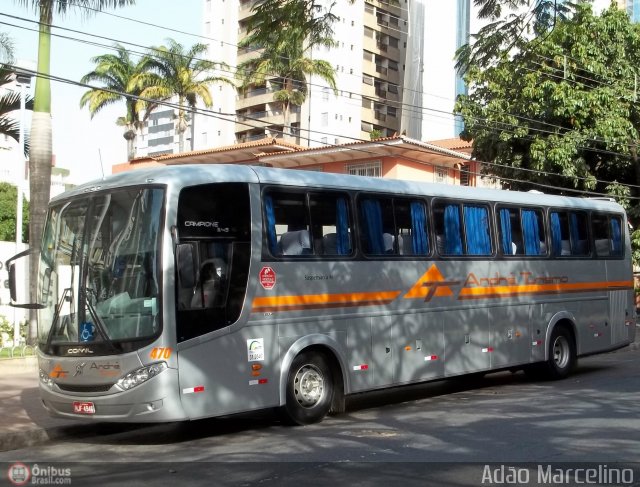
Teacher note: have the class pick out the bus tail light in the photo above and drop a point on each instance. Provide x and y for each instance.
(143, 374)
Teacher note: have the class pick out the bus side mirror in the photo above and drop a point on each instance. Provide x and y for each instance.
(186, 265)
(19, 273)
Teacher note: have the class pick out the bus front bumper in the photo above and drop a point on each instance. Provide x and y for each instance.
(156, 400)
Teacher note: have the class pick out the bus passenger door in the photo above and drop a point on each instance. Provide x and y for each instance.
(382, 350)
(466, 341)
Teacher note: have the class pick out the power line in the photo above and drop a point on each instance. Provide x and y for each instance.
(359, 149)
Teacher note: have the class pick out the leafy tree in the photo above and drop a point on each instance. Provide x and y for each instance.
(509, 23)
(8, 195)
(40, 154)
(563, 107)
(173, 71)
(285, 32)
(117, 73)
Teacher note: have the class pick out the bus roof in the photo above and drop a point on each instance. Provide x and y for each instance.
(193, 174)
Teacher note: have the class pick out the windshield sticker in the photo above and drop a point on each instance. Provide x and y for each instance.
(255, 349)
(87, 331)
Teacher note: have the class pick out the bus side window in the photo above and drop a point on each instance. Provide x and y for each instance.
(412, 227)
(607, 235)
(533, 232)
(377, 228)
(286, 222)
(569, 233)
(331, 223)
(510, 231)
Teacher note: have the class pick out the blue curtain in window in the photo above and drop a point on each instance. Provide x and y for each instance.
(419, 236)
(530, 232)
(343, 246)
(556, 234)
(505, 224)
(372, 219)
(271, 224)
(574, 230)
(452, 235)
(616, 237)
(476, 224)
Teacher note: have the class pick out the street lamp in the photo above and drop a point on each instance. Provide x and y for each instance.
(23, 81)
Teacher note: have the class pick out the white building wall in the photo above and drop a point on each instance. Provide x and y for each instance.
(328, 118)
(220, 29)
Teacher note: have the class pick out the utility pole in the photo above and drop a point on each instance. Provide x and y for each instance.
(23, 80)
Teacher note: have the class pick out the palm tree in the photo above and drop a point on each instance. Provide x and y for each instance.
(40, 154)
(6, 48)
(10, 102)
(285, 31)
(171, 71)
(117, 75)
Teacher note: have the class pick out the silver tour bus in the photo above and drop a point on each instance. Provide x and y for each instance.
(187, 292)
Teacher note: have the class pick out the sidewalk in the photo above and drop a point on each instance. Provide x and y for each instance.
(24, 421)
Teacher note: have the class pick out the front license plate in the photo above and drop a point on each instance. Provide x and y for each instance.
(84, 408)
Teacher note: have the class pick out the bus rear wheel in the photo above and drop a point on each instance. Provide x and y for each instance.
(309, 389)
(562, 354)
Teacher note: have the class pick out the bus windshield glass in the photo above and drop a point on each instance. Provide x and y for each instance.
(100, 270)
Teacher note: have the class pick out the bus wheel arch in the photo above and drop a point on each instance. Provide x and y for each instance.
(312, 384)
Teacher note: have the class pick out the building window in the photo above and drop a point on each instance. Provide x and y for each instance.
(324, 119)
(371, 169)
(440, 174)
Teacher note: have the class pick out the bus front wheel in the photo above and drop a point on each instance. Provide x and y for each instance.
(309, 389)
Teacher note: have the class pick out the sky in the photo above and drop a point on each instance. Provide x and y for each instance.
(88, 147)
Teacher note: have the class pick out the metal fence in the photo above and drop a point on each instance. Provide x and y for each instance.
(17, 351)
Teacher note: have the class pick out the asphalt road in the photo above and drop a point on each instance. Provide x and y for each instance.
(441, 433)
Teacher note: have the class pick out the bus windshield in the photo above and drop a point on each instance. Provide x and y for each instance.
(100, 270)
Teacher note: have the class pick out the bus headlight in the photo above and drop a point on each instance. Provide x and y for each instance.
(45, 379)
(143, 374)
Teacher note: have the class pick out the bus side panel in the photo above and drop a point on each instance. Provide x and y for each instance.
(467, 340)
(419, 346)
(217, 376)
(592, 324)
(361, 363)
(621, 304)
(511, 335)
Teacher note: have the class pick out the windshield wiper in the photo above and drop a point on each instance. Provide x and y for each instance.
(56, 317)
(96, 319)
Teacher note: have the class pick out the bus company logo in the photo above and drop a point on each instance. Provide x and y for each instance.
(432, 283)
(58, 372)
(19, 474)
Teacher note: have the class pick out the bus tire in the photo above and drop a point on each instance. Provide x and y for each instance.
(562, 354)
(309, 389)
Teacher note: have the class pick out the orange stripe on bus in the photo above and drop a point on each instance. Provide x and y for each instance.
(506, 291)
(306, 301)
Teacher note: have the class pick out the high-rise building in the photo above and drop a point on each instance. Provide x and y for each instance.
(394, 69)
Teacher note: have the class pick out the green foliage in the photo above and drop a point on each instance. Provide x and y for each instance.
(284, 32)
(562, 106)
(375, 134)
(8, 198)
